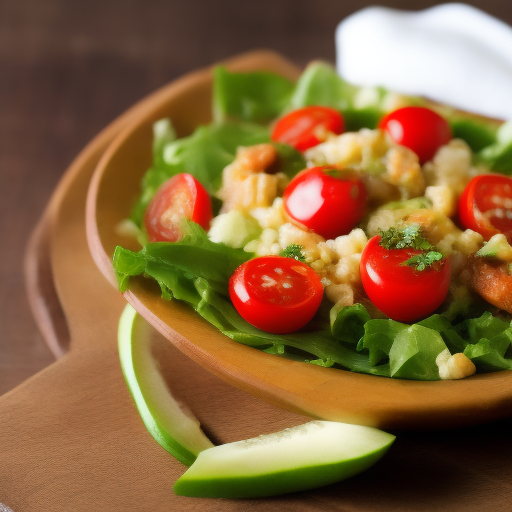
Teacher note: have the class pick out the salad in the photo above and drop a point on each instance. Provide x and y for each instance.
(335, 225)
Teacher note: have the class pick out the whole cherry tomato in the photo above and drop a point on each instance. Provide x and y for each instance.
(418, 128)
(328, 201)
(486, 205)
(399, 291)
(307, 127)
(276, 294)
(182, 196)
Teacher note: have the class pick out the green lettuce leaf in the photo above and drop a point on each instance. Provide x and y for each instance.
(485, 326)
(410, 349)
(489, 341)
(498, 155)
(163, 134)
(378, 338)
(185, 258)
(414, 352)
(321, 85)
(257, 97)
(204, 154)
(347, 324)
(487, 357)
(475, 132)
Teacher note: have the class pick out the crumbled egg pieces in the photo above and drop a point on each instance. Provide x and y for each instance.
(456, 366)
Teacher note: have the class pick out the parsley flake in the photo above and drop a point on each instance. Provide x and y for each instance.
(423, 260)
(403, 237)
(294, 251)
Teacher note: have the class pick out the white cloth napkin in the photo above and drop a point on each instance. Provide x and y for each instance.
(451, 53)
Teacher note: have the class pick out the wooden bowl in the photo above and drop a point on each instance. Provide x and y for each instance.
(326, 393)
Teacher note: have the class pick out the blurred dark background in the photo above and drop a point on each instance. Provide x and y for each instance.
(67, 68)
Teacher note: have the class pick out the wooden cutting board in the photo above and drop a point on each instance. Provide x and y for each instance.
(71, 438)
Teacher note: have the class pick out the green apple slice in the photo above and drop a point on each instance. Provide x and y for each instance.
(304, 457)
(172, 424)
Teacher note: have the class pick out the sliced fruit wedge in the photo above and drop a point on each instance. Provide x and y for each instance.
(304, 457)
(171, 423)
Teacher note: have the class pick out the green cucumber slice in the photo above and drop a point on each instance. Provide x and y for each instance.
(171, 423)
(304, 457)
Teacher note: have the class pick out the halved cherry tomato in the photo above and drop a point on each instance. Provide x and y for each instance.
(182, 196)
(276, 294)
(307, 127)
(399, 291)
(418, 128)
(327, 201)
(486, 205)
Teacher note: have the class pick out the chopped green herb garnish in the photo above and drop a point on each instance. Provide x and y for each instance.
(294, 251)
(403, 237)
(423, 260)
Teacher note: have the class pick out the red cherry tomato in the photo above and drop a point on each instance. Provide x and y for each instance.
(327, 201)
(486, 205)
(180, 196)
(399, 291)
(418, 128)
(276, 294)
(307, 127)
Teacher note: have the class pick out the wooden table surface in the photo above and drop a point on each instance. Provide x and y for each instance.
(68, 68)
